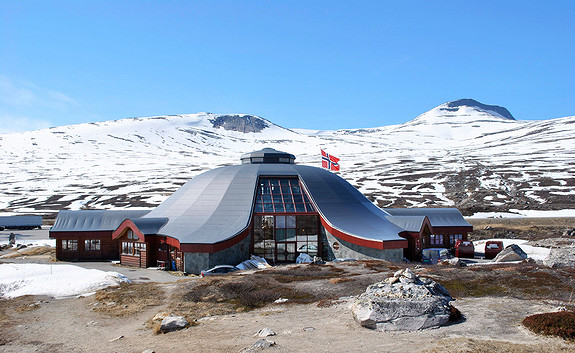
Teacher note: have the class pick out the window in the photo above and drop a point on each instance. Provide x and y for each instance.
(436, 239)
(92, 244)
(282, 195)
(131, 248)
(453, 238)
(70, 244)
(130, 234)
(127, 248)
(264, 236)
(306, 235)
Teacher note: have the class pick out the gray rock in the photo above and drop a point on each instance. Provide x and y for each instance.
(560, 258)
(511, 253)
(240, 123)
(265, 332)
(258, 346)
(454, 261)
(149, 351)
(410, 303)
(173, 323)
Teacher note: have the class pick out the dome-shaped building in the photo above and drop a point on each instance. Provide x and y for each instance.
(267, 206)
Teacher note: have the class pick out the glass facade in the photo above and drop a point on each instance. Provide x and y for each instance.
(285, 222)
(282, 195)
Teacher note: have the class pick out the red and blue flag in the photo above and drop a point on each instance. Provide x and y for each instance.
(329, 161)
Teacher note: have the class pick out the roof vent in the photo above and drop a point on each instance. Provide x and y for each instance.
(268, 155)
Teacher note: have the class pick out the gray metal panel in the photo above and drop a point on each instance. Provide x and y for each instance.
(149, 226)
(217, 205)
(409, 223)
(345, 208)
(438, 217)
(212, 207)
(93, 220)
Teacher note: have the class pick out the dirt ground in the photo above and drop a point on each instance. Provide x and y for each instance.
(493, 300)
(94, 324)
(70, 326)
(523, 228)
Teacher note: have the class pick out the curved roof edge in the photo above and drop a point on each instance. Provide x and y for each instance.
(413, 224)
(438, 217)
(346, 209)
(93, 220)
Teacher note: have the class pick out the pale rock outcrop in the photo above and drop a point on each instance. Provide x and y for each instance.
(511, 253)
(403, 302)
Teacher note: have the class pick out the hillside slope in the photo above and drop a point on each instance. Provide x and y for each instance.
(462, 153)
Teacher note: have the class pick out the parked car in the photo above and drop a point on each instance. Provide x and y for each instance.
(464, 248)
(219, 270)
(434, 255)
(492, 248)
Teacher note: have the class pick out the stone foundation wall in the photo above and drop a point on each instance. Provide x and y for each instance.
(195, 263)
(348, 250)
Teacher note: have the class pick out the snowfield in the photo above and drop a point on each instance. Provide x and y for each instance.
(461, 154)
(59, 281)
(537, 253)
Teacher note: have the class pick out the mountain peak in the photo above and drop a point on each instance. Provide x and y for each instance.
(454, 106)
(241, 123)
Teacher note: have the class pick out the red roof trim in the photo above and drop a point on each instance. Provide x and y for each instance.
(212, 248)
(128, 224)
(374, 244)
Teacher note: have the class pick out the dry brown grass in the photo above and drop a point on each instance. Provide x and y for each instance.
(128, 298)
(326, 303)
(31, 251)
(237, 293)
(471, 345)
(561, 324)
(305, 273)
(340, 280)
(523, 281)
(524, 228)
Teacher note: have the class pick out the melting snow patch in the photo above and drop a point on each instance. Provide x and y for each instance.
(535, 252)
(59, 281)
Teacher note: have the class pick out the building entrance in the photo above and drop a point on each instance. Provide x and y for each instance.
(285, 222)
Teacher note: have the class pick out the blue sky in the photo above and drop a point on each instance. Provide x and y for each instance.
(301, 64)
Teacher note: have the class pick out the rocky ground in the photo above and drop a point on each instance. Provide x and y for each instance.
(226, 312)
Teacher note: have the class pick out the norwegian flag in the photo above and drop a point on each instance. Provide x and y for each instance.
(329, 161)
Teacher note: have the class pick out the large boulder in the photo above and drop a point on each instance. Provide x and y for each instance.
(403, 302)
(560, 257)
(173, 323)
(511, 253)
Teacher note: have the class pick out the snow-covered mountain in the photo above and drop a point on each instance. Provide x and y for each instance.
(463, 153)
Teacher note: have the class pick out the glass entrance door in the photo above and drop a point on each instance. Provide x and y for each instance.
(286, 251)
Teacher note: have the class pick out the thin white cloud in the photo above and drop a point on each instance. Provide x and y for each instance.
(10, 124)
(26, 106)
(22, 94)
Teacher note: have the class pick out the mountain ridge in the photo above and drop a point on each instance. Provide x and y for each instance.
(471, 159)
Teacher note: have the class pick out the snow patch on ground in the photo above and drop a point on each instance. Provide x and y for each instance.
(59, 281)
(35, 242)
(535, 252)
(525, 214)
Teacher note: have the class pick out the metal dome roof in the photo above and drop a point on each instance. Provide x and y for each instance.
(217, 205)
